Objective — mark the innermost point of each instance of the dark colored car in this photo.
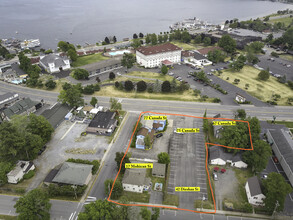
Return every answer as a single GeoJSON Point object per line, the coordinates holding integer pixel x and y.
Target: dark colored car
{"type": "Point", "coordinates": [42, 150]}
{"type": "Point", "coordinates": [159, 135]}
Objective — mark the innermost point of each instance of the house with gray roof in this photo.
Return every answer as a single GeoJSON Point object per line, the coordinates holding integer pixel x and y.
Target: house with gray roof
{"type": "Point", "coordinates": [159, 170]}
{"type": "Point", "coordinates": [8, 98]}
{"type": "Point", "coordinates": [254, 192]}
{"type": "Point", "coordinates": [21, 107]}
{"type": "Point", "coordinates": [71, 174]}
{"type": "Point", "coordinates": [103, 66]}
{"type": "Point", "coordinates": [54, 63]}
{"type": "Point", "coordinates": [103, 123]}
{"type": "Point", "coordinates": [135, 180]}
{"type": "Point", "coordinates": [218, 156]}
{"type": "Point", "coordinates": [282, 144]}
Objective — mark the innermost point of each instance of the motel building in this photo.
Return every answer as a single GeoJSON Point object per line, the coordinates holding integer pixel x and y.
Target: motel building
{"type": "Point", "coordinates": [154, 56]}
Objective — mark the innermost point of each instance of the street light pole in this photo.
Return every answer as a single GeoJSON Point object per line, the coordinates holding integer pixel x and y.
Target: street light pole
{"type": "Point", "coordinates": [277, 204]}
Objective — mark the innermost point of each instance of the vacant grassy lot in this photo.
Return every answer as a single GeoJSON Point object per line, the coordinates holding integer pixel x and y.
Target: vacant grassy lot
{"type": "Point", "coordinates": [93, 58]}
{"type": "Point", "coordinates": [189, 46]}
{"type": "Point", "coordinates": [137, 197]}
{"type": "Point", "coordinates": [151, 75]}
{"type": "Point", "coordinates": [262, 90]}
{"type": "Point", "coordinates": [111, 91]}
{"type": "Point", "coordinates": [286, 57]}
{"type": "Point", "coordinates": [287, 20]}
{"type": "Point", "coordinates": [8, 217]}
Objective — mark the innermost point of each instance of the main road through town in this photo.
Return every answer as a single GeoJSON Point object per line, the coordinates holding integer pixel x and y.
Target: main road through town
{"type": "Point", "coordinates": [70, 210]}
{"type": "Point", "coordinates": [193, 108]}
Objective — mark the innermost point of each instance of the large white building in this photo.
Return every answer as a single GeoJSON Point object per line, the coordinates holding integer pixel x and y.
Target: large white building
{"type": "Point", "coordinates": [253, 191]}
{"type": "Point", "coordinates": [53, 63]}
{"type": "Point", "coordinates": [153, 56]}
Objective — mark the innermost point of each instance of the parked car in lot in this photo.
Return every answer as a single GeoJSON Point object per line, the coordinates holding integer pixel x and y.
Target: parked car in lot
{"type": "Point", "coordinates": [275, 159]}
{"type": "Point", "coordinates": [170, 74]}
{"type": "Point", "coordinates": [288, 65]}
{"type": "Point", "coordinates": [209, 74]}
{"type": "Point", "coordinates": [118, 74]}
{"type": "Point", "coordinates": [159, 135]}
{"type": "Point", "coordinates": [215, 176]}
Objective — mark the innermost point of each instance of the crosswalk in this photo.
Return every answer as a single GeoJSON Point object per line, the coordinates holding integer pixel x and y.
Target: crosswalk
{"type": "Point", "coordinates": [90, 199]}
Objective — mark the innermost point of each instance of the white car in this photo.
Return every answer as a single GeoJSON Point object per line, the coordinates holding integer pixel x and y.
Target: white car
{"type": "Point", "coordinates": [288, 65]}
{"type": "Point", "coordinates": [118, 74]}
{"type": "Point", "coordinates": [215, 176]}
{"type": "Point", "coordinates": [212, 70]}
{"type": "Point", "coordinates": [171, 74]}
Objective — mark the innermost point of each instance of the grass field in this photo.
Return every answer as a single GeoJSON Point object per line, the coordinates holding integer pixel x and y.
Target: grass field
{"type": "Point", "coordinates": [93, 58]}
{"type": "Point", "coordinates": [111, 91]}
{"type": "Point", "coordinates": [262, 90]}
{"type": "Point", "coordinates": [288, 124]}
{"type": "Point", "coordinates": [158, 76]}
{"type": "Point", "coordinates": [185, 46]}
{"type": "Point", "coordinates": [287, 20]}
{"type": "Point", "coordinates": [8, 217]}
{"type": "Point", "coordinates": [137, 197]}
{"type": "Point", "coordinates": [286, 57]}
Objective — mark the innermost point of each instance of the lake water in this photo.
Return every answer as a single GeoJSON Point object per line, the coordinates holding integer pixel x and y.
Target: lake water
{"type": "Point", "coordinates": [90, 21]}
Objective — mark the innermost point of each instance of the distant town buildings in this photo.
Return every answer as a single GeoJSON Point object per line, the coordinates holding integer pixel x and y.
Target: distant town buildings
{"type": "Point", "coordinates": [53, 63]}
{"type": "Point", "coordinates": [27, 44]}
{"type": "Point", "coordinates": [154, 56]}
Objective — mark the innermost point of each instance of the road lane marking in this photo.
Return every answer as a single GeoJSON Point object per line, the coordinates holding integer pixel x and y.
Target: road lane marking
{"type": "Point", "coordinates": [67, 131]}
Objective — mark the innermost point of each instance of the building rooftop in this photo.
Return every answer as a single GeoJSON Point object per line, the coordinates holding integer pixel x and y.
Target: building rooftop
{"type": "Point", "coordinates": [187, 53]}
{"type": "Point", "coordinates": [218, 152]}
{"type": "Point", "coordinates": [161, 48]}
{"type": "Point", "coordinates": [73, 173]}
{"type": "Point", "coordinates": [55, 115]}
{"type": "Point", "coordinates": [19, 107]}
{"type": "Point", "coordinates": [102, 64]}
{"type": "Point", "coordinates": [103, 120]}
{"type": "Point", "coordinates": [198, 56]}
{"type": "Point", "coordinates": [135, 177]}
{"type": "Point", "coordinates": [7, 96]}
{"type": "Point", "coordinates": [53, 58]}
{"type": "Point", "coordinates": [254, 186]}
{"type": "Point", "coordinates": [159, 169]}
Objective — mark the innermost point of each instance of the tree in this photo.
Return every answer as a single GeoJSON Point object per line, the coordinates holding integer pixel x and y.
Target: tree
{"type": "Point", "coordinates": [216, 56]}
{"type": "Point", "coordinates": [72, 54]}
{"type": "Point", "coordinates": [185, 37]}
{"type": "Point", "coordinates": [227, 43]}
{"type": "Point", "coordinates": [141, 86]}
{"type": "Point", "coordinates": [89, 89]}
{"type": "Point", "coordinates": [114, 39]}
{"type": "Point", "coordinates": [164, 69]}
{"type": "Point", "coordinates": [136, 43]}
{"type": "Point", "coordinates": [207, 41]}
{"type": "Point", "coordinates": [50, 84]}
{"type": "Point", "coordinates": [239, 63]}
{"type": "Point", "coordinates": [147, 141]}
{"type": "Point", "coordinates": [145, 213]}
{"type": "Point", "coordinates": [128, 85]}
{"type": "Point", "coordinates": [117, 189]}
{"type": "Point", "coordinates": [157, 86]}
{"type": "Point", "coordinates": [98, 79]}
{"type": "Point", "coordinates": [72, 96]}
{"type": "Point", "coordinates": [80, 74]}
{"type": "Point", "coordinates": [128, 60]}
{"type": "Point", "coordinates": [154, 39]}
{"type": "Point", "coordinates": [197, 39]}
{"type": "Point", "coordinates": [156, 214]}
{"type": "Point", "coordinates": [258, 158]}
{"type": "Point", "coordinates": [24, 62]}
{"type": "Point", "coordinates": [165, 38]}
{"type": "Point", "coordinates": [94, 101]}
{"type": "Point", "coordinates": [141, 35]}
{"type": "Point", "coordinates": [173, 85]}
{"type": "Point", "coordinates": [34, 205]}
{"type": "Point", "coordinates": [251, 57]}
{"type": "Point", "coordinates": [118, 159]}
{"type": "Point", "coordinates": [115, 105]}
{"type": "Point", "coordinates": [288, 37]}
{"type": "Point", "coordinates": [135, 36]}
{"type": "Point", "coordinates": [107, 41]}
{"type": "Point", "coordinates": [264, 75]}
{"type": "Point", "coordinates": [102, 209]}
{"type": "Point", "coordinates": [275, 189]}
{"type": "Point", "coordinates": [5, 167]}
{"type": "Point", "coordinates": [241, 114]}
{"type": "Point", "coordinates": [40, 126]}
{"type": "Point", "coordinates": [256, 46]}
{"type": "Point", "coordinates": [166, 86]}
{"type": "Point", "coordinates": [148, 39]}
{"type": "Point", "coordinates": [164, 158]}
{"type": "Point", "coordinates": [269, 38]}
{"type": "Point", "coordinates": [63, 46]}
{"type": "Point", "coordinates": [112, 76]}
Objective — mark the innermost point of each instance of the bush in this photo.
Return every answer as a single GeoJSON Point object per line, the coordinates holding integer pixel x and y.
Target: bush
{"type": "Point", "coordinates": [20, 190]}
{"type": "Point", "coordinates": [128, 85]}
{"type": "Point", "coordinates": [89, 89]}
{"type": "Point", "coordinates": [117, 84]}
{"type": "Point", "coordinates": [29, 175]}
{"type": "Point", "coordinates": [97, 87]}
{"type": "Point", "coordinates": [141, 86]}
{"type": "Point", "coordinates": [274, 54]}
{"type": "Point", "coordinates": [48, 51]}
{"type": "Point", "coordinates": [80, 74]}
{"type": "Point", "coordinates": [112, 76]}
{"type": "Point", "coordinates": [216, 100]}
{"type": "Point", "coordinates": [96, 163]}
{"type": "Point", "coordinates": [50, 84]}
{"type": "Point", "coordinates": [264, 75]}
{"type": "Point", "coordinates": [290, 84]}
{"type": "Point", "coordinates": [150, 89]}
{"type": "Point", "coordinates": [65, 190]}
{"type": "Point", "coordinates": [166, 86]}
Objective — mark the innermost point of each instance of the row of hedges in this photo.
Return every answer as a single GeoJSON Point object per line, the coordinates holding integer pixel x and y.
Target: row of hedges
{"type": "Point", "coordinates": [95, 163]}
{"type": "Point", "coordinates": [65, 190]}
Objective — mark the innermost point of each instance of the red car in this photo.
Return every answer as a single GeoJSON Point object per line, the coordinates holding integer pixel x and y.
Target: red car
{"type": "Point", "coordinates": [275, 159]}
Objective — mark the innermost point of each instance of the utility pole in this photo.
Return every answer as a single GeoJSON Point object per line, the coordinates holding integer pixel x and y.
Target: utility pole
{"type": "Point", "coordinates": [277, 204]}
{"type": "Point", "coordinates": [74, 188]}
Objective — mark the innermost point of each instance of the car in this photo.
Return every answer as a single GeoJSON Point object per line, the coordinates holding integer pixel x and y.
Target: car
{"type": "Point", "coordinates": [288, 65]}
{"type": "Point", "coordinates": [275, 159]}
{"type": "Point", "coordinates": [179, 64]}
{"type": "Point", "coordinates": [284, 64]}
{"type": "Point", "coordinates": [209, 74]}
{"type": "Point", "coordinates": [206, 84]}
{"type": "Point", "coordinates": [225, 67]}
{"type": "Point", "coordinates": [42, 150]}
{"type": "Point", "coordinates": [179, 78]}
{"type": "Point", "coordinates": [264, 176]}
{"type": "Point", "coordinates": [170, 74]}
{"type": "Point", "coordinates": [159, 135]}
{"type": "Point", "coordinates": [188, 76]}
{"type": "Point", "coordinates": [118, 74]}
{"type": "Point", "coordinates": [221, 68]}
{"type": "Point", "coordinates": [215, 176]}
{"type": "Point", "coordinates": [271, 72]}
{"type": "Point", "coordinates": [212, 70]}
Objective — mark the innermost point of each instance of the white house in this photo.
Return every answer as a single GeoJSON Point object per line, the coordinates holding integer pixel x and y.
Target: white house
{"type": "Point", "coordinates": [21, 168]}
{"type": "Point", "coordinates": [154, 56]}
{"type": "Point", "coordinates": [218, 156]}
{"type": "Point", "coordinates": [194, 58]}
{"type": "Point", "coordinates": [134, 180]}
{"type": "Point", "coordinates": [253, 191]}
{"type": "Point", "coordinates": [53, 63]}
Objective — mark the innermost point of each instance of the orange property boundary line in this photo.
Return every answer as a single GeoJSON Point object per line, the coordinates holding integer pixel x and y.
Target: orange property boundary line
{"type": "Point", "coordinates": [206, 145]}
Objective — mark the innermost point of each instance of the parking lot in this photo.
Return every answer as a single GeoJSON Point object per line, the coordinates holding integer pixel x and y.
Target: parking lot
{"type": "Point", "coordinates": [67, 138]}
{"type": "Point", "coordinates": [187, 166]}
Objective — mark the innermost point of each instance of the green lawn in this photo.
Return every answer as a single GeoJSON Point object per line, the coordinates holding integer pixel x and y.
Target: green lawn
{"type": "Point", "coordinates": [288, 124]}
{"type": "Point", "coordinates": [262, 90]}
{"type": "Point", "coordinates": [151, 75]}
{"type": "Point", "coordinates": [8, 217]}
{"type": "Point", "coordinates": [93, 58]}
{"type": "Point", "coordinates": [286, 57]}
{"type": "Point", "coordinates": [185, 46]}
{"type": "Point", "coordinates": [137, 197]}
{"type": "Point", "coordinates": [287, 20]}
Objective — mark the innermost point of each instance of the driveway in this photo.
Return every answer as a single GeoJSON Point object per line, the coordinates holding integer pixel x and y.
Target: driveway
{"type": "Point", "coordinates": [65, 143]}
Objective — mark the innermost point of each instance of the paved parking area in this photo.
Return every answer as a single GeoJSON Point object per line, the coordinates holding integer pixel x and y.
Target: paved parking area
{"type": "Point", "coordinates": [65, 137]}
{"type": "Point", "coordinates": [187, 167]}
